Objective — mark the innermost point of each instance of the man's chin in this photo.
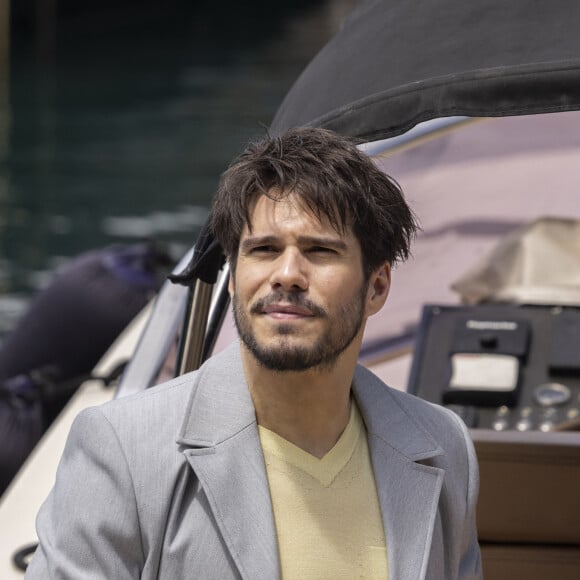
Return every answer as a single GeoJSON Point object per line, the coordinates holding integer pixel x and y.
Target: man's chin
{"type": "Point", "coordinates": [291, 357]}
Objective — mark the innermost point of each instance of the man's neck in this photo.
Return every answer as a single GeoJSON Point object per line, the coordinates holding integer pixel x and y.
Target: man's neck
{"type": "Point", "coordinates": [309, 408]}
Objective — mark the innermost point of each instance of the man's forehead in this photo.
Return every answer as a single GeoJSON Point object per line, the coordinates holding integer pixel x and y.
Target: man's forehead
{"type": "Point", "coordinates": [278, 209]}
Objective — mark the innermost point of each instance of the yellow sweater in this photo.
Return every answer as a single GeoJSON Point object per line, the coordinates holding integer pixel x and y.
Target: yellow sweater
{"type": "Point", "coordinates": [327, 513]}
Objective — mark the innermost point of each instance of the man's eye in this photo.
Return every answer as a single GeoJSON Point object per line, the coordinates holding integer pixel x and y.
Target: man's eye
{"type": "Point", "coordinates": [322, 250]}
{"type": "Point", "coordinates": [263, 250]}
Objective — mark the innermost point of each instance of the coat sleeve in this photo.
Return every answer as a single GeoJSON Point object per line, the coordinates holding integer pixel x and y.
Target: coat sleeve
{"type": "Point", "coordinates": [88, 528]}
{"type": "Point", "coordinates": [470, 559]}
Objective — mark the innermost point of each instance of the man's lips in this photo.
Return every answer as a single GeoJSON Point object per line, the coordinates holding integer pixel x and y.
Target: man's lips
{"type": "Point", "coordinates": [287, 306]}
{"type": "Point", "coordinates": [286, 311]}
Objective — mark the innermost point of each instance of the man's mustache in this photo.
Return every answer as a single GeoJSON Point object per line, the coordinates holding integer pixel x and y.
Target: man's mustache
{"type": "Point", "coordinates": [293, 298]}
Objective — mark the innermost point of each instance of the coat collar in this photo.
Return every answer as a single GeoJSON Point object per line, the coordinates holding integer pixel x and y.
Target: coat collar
{"type": "Point", "coordinates": [220, 439]}
{"type": "Point", "coordinates": [387, 418]}
{"type": "Point", "coordinates": [220, 405]}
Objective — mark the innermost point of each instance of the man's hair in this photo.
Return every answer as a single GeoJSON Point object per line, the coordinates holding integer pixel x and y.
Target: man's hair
{"type": "Point", "coordinates": [332, 178]}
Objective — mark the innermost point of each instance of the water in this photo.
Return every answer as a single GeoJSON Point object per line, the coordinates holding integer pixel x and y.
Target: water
{"type": "Point", "coordinates": [118, 118]}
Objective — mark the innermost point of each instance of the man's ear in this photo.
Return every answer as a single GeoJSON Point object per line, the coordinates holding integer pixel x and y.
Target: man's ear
{"type": "Point", "coordinates": [378, 289]}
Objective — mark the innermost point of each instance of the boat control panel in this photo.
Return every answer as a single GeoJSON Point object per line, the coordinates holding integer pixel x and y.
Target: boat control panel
{"type": "Point", "coordinates": [501, 366]}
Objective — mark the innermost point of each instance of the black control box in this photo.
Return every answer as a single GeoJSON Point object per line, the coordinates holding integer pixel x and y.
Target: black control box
{"type": "Point", "coordinates": [501, 366]}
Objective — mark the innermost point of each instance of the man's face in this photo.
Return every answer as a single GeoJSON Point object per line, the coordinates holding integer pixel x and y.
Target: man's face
{"type": "Point", "coordinates": [299, 295]}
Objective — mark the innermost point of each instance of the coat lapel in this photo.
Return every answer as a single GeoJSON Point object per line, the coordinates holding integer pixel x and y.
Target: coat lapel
{"type": "Point", "coordinates": [408, 490]}
{"type": "Point", "coordinates": [222, 445]}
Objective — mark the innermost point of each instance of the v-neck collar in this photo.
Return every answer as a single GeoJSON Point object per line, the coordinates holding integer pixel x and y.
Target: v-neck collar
{"type": "Point", "coordinates": [324, 469]}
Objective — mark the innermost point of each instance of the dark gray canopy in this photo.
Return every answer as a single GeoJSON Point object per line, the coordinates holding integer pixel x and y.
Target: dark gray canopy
{"type": "Point", "coordinates": [396, 63]}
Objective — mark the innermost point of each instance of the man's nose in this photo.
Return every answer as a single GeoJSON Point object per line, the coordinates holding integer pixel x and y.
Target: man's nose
{"type": "Point", "coordinates": [290, 271]}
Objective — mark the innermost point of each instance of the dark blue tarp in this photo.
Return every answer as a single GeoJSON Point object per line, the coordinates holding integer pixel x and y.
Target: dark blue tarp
{"type": "Point", "coordinates": [62, 336]}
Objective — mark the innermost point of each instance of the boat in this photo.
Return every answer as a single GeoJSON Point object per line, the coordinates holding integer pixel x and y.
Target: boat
{"type": "Point", "coordinates": [475, 109]}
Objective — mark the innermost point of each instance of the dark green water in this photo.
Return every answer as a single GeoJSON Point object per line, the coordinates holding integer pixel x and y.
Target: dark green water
{"type": "Point", "coordinates": [121, 116]}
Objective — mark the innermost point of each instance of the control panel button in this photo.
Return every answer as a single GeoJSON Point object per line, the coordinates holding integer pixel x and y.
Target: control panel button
{"type": "Point", "coordinates": [524, 425]}
{"type": "Point", "coordinates": [550, 394]}
{"type": "Point", "coordinates": [499, 425]}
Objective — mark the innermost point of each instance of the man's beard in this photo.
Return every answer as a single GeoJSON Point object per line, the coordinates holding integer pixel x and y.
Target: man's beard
{"type": "Point", "coordinates": [280, 355]}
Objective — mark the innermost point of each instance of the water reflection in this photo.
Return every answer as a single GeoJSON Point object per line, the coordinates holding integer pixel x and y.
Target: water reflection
{"type": "Point", "coordinates": [118, 118]}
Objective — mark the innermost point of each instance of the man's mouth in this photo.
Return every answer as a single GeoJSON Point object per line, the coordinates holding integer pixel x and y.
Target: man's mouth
{"type": "Point", "coordinates": [287, 307]}
{"type": "Point", "coordinates": [286, 311]}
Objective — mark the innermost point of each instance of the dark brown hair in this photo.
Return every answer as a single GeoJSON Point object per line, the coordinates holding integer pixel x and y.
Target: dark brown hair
{"type": "Point", "coordinates": [332, 178]}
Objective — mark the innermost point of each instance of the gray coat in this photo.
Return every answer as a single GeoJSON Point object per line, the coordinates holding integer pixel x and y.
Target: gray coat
{"type": "Point", "coordinates": [138, 497]}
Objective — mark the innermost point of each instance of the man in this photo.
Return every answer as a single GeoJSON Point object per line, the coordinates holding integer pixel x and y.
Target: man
{"type": "Point", "coordinates": [280, 457]}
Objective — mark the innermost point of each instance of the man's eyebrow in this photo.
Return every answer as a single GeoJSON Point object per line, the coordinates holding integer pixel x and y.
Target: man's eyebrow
{"type": "Point", "coordinates": [253, 241]}
{"type": "Point", "coordinates": [329, 242]}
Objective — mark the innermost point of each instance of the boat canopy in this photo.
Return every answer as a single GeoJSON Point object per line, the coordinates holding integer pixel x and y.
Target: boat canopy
{"type": "Point", "coordinates": [397, 63]}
